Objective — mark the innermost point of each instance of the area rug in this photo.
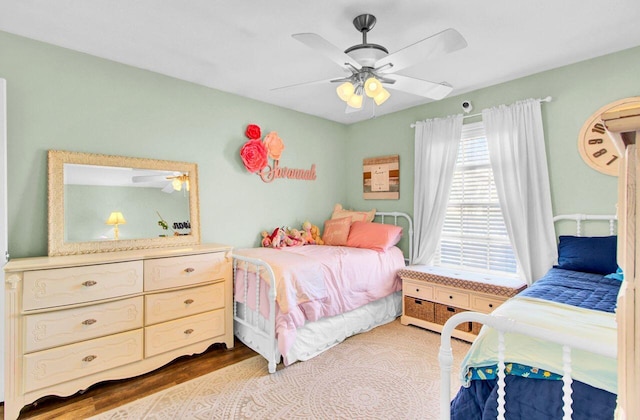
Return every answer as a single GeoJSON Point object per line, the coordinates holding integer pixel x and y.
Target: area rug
{"type": "Point", "coordinates": [389, 372]}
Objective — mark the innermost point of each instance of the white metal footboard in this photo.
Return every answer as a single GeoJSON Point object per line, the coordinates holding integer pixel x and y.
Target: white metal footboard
{"type": "Point", "coordinates": [250, 326]}
{"type": "Point", "coordinates": [507, 325]}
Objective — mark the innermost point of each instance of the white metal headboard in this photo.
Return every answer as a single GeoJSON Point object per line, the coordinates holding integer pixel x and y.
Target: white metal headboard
{"type": "Point", "coordinates": [395, 215]}
{"type": "Point", "coordinates": [579, 218]}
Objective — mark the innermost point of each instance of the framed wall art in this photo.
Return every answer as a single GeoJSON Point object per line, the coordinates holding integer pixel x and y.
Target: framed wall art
{"type": "Point", "coordinates": [381, 178]}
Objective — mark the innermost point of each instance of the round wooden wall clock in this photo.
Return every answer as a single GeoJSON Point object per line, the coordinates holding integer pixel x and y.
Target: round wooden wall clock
{"type": "Point", "coordinates": [595, 145]}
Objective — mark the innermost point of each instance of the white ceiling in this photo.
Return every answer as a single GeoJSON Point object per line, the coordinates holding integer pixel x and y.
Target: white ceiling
{"type": "Point", "coordinates": [245, 47]}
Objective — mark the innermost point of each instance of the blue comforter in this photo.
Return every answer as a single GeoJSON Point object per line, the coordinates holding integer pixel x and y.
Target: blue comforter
{"type": "Point", "coordinates": [528, 398]}
{"type": "Point", "coordinates": [584, 290]}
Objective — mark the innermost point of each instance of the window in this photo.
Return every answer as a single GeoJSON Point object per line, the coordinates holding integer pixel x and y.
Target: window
{"type": "Point", "coordinates": [474, 235]}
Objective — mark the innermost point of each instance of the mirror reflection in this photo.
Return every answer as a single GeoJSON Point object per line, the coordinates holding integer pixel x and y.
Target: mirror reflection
{"type": "Point", "coordinates": [102, 203]}
{"type": "Point", "coordinates": [114, 203]}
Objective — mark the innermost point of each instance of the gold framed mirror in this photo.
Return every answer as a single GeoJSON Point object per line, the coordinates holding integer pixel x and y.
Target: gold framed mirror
{"type": "Point", "coordinates": [105, 203]}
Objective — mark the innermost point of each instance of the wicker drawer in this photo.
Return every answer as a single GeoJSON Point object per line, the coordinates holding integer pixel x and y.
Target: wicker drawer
{"type": "Point", "coordinates": [417, 289]}
{"type": "Point", "coordinates": [475, 328]}
{"type": "Point", "coordinates": [418, 308]}
{"type": "Point", "coordinates": [67, 286]}
{"type": "Point", "coordinates": [56, 328]}
{"type": "Point", "coordinates": [171, 335]}
{"type": "Point", "coordinates": [444, 312]}
{"type": "Point", "coordinates": [61, 364]}
{"type": "Point", "coordinates": [452, 297]}
{"type": "Point", "coordinates": [166, 273]}
{"type": "Point", "coordinates": [160, 307]}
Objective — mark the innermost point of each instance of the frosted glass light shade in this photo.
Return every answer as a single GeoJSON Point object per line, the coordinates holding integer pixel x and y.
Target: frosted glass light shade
{"type": "Point", "coordinates": [372, 87]}
{"type": "Point", "coordinates": [345, 91]}
{"type": "Point", "coordinates": [177, 184]}
{"type": "Point", "coordinates": [355, 101]}
{"type": "Point", "coordinates": [382, 96]}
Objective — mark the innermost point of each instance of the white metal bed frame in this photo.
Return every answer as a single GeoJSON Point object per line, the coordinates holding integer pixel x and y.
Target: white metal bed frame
{"type": "Point", "coordinates": [259, 333]}
{"type": "Point", "coordinates": [506, 325]}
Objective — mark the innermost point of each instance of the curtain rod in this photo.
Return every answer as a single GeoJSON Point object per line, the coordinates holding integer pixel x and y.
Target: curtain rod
{"type": "Point", "coordinates": [547, 99]}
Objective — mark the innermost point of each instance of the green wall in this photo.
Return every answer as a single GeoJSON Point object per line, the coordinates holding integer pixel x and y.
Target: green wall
{"type": "Point", "coordinates": [65, 100]}
{"type": "Point", "coordinates": [578, 91]}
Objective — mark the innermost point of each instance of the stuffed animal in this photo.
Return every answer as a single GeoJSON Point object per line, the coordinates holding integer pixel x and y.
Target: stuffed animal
{"type": "Point", "coordinates": [266, 239]}
{"type": "Point", "coordinates": [277, 238]}
{"type": "Point", "coordinates": [294, 238]}
{"type": "Point", "coordinates": [306, 234]}
{"type": "Point", "coordinates": [315, 235]}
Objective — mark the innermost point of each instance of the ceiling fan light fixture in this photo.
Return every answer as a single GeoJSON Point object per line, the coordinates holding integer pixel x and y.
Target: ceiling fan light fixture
{"type": "Point", "coordinates": [177, 184]}
{"type": "Point", "coordinates": [345, 91]}
{"type": "Point", "coordinates": [373, 87]}
{"type": "Point", "coordinates": [355, 101]}
{"type": "Point", "coordinates": [382, 96]}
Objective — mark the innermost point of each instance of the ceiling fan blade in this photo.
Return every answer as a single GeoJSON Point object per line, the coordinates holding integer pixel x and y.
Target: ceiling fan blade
{"type": "Point", "coordinates": [323, 46]}
{"type": "Point", "coordinates": [420, 87]}
{"type": "Point", "coordinates": [315, 82]}
{"type": "Point", "coordinates": [148, 178]}
{"type": "Point", "coordinates": [441, 43]}
{"type": "Point", "coordinates": [168, 188]}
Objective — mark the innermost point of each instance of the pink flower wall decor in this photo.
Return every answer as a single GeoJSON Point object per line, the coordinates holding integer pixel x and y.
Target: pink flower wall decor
{"type": "Point", "coordinates": [254, 155]}
{"type": "Point", "coordinates": [274, 145]}
{"type": "Point", "coordinates": [253, 132]}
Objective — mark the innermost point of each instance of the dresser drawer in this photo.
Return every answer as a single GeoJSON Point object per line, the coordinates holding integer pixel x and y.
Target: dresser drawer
{"type": "Point", "coordinates": [417, 289]}
{"type": "Point", "coordinates": [171, 335]}
{"type": "Point", "coordinates": [160, 307]}
{"type": "Point", "coordinates": [164, 273]}
{"type": "Point", "coordinates": [485, 304]}
{"type": "Point", "coordinates": [452, 297]}
{"type": "Point", "coordinates": [49, 367]}
{"type": "Point", "coordinates": [67, 286]}
{"type": "Point", "coordinates": [58, 328]}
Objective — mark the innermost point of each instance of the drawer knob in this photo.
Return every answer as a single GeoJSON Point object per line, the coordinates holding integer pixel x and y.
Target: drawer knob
{"type": "Point", "coordinates": [450, 297]}
{"type": "Point", "coordinates": [89, 283]}
{"type": "Point", "coordinates": [189, 270]}
{"type": "Point", "coordinates": [189, 331]}
{"type": "Point", "coordinates": [90, 358]}
{"type": "Point", "coordinates": [491, 305]}
{"type": "Point", "coordinates": [188, 301]}
{"type": "Point", "coordinates": [89, 321]}
{"type": "Point", "coordinates": [417, 290]}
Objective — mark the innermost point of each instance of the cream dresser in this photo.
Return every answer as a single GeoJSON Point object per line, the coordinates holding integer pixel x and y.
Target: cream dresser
{"type": "Point", "coordinates": [73, 321]}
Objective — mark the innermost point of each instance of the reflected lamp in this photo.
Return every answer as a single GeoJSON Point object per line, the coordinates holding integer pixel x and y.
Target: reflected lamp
{"type": "Point", "coordinates": [116, 218]}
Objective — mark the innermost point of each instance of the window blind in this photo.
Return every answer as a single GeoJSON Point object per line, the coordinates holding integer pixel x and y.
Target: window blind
{"type": "Point", "coordinates": [474, 234]}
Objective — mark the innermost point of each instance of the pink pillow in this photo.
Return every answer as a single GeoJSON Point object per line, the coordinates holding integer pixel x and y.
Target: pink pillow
{"type": "Point", "coordinates": [376, 236]}
{"type": "Point", "coordinates": [336, 231]}
{"type": "Point", "coordinates": [362, 216]}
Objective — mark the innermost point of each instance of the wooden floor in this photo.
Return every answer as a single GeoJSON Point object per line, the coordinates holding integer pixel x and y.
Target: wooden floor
{"type": "Point", "coordinates": [107, 395]}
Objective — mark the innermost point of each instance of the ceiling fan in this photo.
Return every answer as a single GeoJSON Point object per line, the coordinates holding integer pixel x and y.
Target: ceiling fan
{"type": "Point", "coordinates": [174, 182]}
{"type": "Point", "coordinates": [371, 66]}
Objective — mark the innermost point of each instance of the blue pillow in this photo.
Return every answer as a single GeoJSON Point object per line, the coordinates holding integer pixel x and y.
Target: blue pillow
{"type": "Point", "coordinates": [589, 254]}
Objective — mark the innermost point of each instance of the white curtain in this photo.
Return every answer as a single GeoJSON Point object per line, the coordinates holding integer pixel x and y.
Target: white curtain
{"type": "Point", "coordinates": [436, 151]}
{"type": "Point", "coordinates": [517, 152]}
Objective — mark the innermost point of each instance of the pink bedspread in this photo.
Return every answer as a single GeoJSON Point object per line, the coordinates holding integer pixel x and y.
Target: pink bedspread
{"type": "Point", "coordinates": [313, 282]}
